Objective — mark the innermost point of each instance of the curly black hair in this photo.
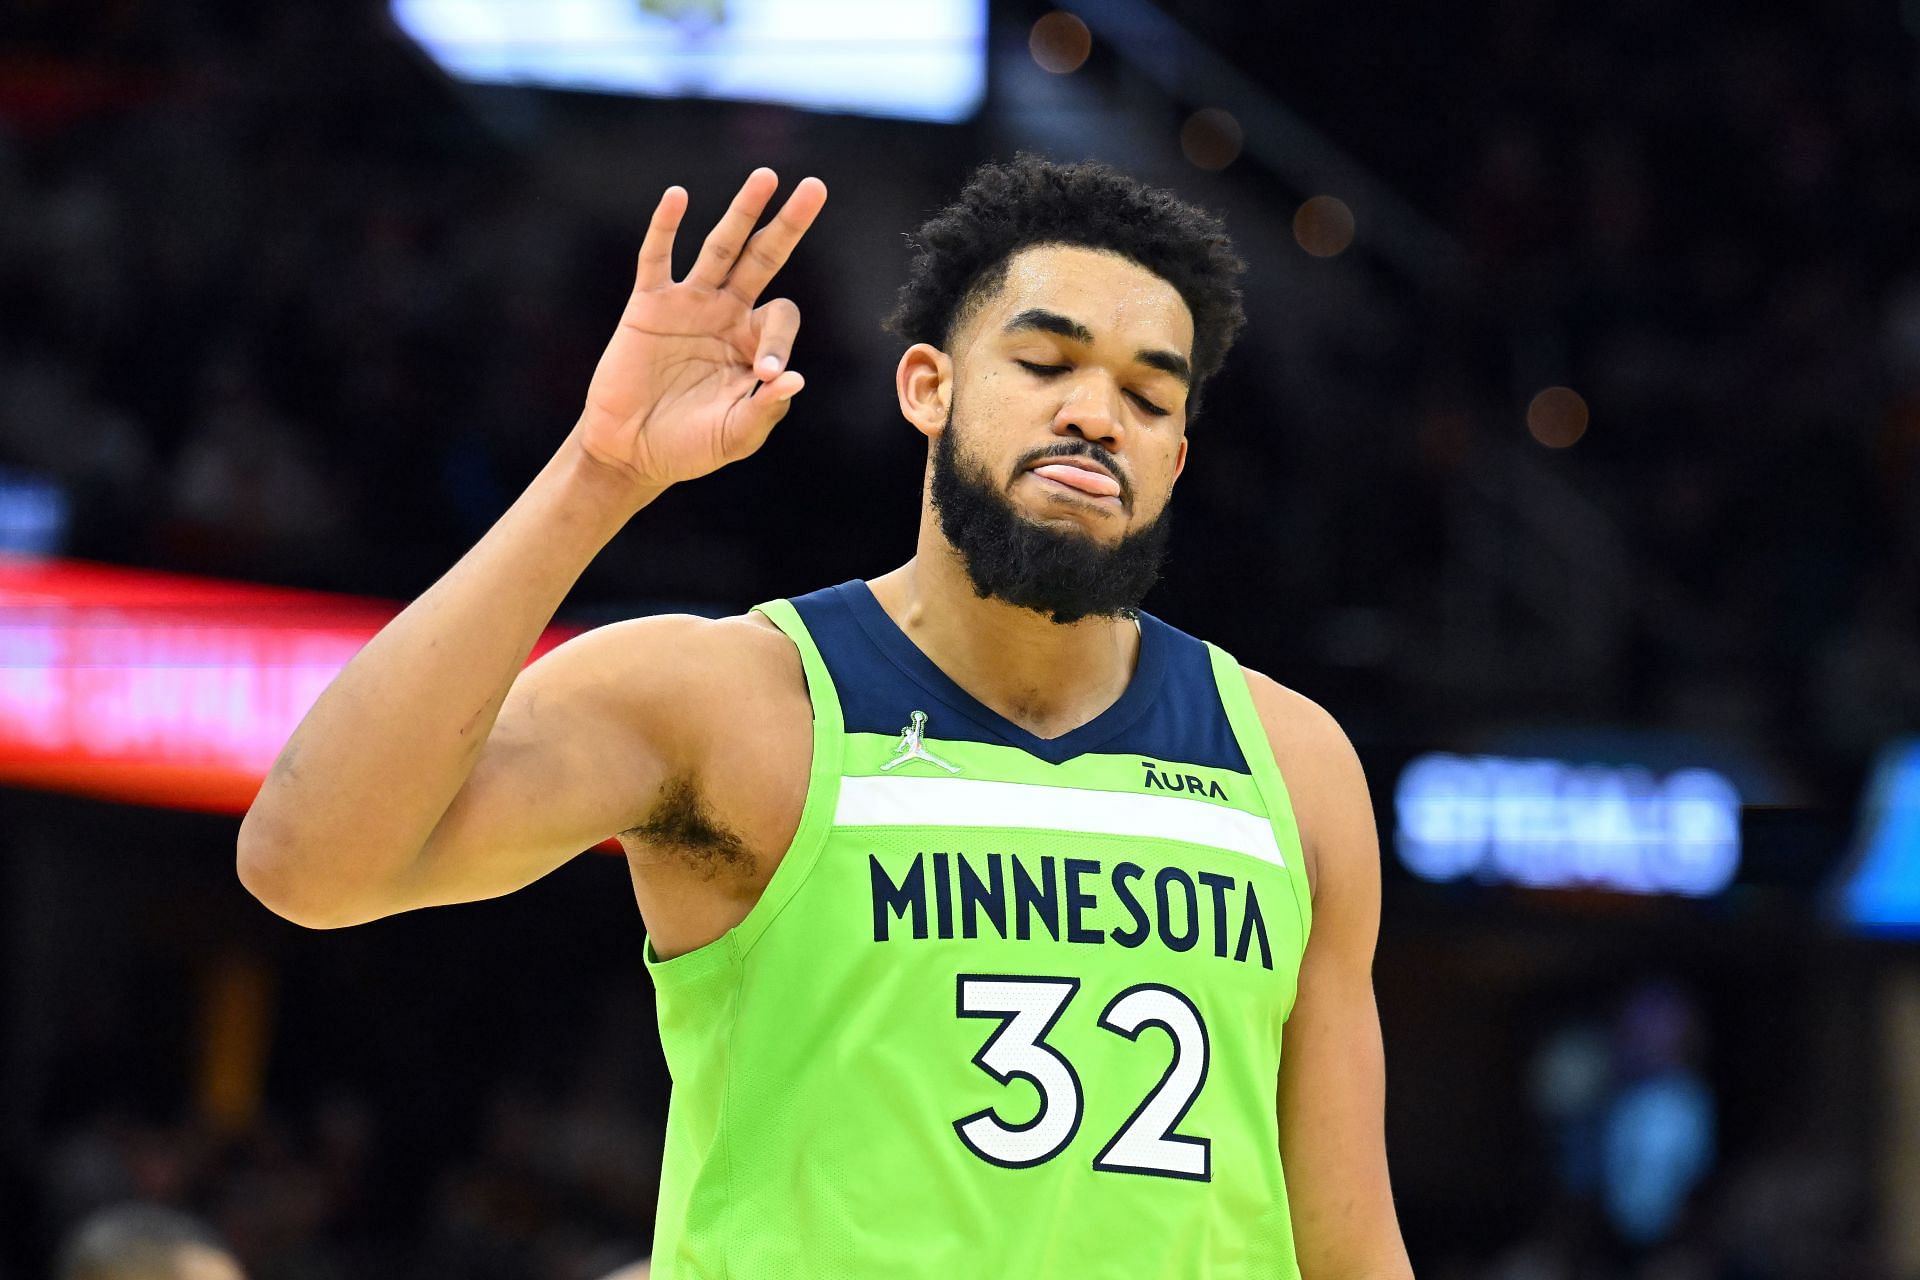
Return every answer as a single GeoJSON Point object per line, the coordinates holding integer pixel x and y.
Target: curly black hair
{"type": "Point", "coordinates": [961, 254]}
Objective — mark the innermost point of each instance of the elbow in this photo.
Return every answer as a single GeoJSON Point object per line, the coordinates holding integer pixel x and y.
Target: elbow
{"type": "Point", "coordinates": [272, 873]}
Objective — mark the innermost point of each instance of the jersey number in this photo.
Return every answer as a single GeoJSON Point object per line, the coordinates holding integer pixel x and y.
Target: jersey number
{"type": "Point", "coordinates": [1027, 1009]}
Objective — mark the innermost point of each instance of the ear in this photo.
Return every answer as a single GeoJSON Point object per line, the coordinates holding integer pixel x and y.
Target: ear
{"type": "Point", "coordinates": [924, 384]}
{"type": "Point", "coordinates": [1180, 462]}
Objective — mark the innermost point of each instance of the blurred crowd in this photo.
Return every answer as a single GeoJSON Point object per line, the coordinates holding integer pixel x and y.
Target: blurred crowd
{"type": "Point", "coordinates": [1701, 219]}
{"type": "Point", "coordinates": [1643, 1186]}
{"type": "Point", "coordinates": [1709, 211]}
{"type": "Point", "coordinates": [556, 1189]}
{"type": "Point", "coordinates": [538, 1166]}
{"type": "Point", "coordinates": [255, 331]}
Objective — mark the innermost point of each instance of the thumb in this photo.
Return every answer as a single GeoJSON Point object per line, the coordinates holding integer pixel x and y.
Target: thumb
{"type": "Point", "coordinates": [754, 418]}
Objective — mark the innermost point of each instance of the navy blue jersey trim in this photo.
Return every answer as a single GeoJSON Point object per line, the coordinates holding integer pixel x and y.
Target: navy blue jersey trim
{"type": "Point", "coordinates": [1170, 710]}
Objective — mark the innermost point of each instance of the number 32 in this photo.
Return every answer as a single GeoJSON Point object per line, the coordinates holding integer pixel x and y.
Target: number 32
{"type": "Point", "coordinates": [1027, 1009]}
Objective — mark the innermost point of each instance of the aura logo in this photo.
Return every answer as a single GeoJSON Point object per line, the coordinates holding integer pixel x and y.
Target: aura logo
{"type": "Point", "coordinates": [1159, 779]}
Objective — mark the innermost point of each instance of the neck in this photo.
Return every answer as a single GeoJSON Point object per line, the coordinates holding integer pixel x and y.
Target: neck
{"type": "Point", "coordinates": [1046, 677]}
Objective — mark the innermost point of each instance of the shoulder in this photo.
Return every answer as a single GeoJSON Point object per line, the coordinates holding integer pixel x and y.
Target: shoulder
{"type": "Point", "coordinates": [690, 686]}
{"type": "Point", "coordinates": [678, 656]}
{"type": "Point", "coordinates": [723, 708]}
{"type": "Point", "coordinates": [1325, 782]}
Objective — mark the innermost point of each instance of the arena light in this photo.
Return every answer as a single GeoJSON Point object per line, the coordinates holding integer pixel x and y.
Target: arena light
{"type": "Point", "coordinates": [1557, 417]}
{"type": "Point", "coordinates": [34, 513]}
{"type": "Point", "coordinates": [163, 689]}
{"type": "Point", "coordinates": [1323, 226]}
{"type": "Point", "coordinates": [1880, 890]}
{"type": "Point", "coordinates": [1060, 42]}
{"type": "Point", "coordinates": [1552, 824]}
{"type": "Point", "coordinates": [924, 61]}
{"type": "Point", "coordinates": [1211, 139]}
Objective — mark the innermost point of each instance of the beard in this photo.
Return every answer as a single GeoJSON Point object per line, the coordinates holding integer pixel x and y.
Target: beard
{"type": "Point", "coordinates": [1063, 574]}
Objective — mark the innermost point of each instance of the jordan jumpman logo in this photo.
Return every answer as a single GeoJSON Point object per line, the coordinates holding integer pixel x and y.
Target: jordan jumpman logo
{"type": "Point", "coordinates": [913, 747]}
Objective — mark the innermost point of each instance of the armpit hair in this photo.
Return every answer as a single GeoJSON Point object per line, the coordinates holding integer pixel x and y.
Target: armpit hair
{"type": "Point", "coordinates": [682, 826]}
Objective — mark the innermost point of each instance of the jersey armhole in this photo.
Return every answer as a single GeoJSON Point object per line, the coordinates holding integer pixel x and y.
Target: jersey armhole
{"type": "Point", "coordinates": [725, 953]}
{"type": "Point", "coordinates": [823, 780]}
{"type": "Point", "coordinates": [1244, 718]}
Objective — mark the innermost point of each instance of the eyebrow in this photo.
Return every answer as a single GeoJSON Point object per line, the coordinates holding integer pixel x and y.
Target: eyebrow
{"type": "Point", "coordinates": [1169, 362]}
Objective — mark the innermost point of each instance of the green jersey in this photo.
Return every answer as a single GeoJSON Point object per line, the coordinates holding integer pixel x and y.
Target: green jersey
{"type": "Point", "coordinates": [1009, 1006]}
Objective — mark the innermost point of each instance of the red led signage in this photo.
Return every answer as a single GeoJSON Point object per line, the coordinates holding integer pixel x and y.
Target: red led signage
{"type": "Point", "coordinates": [163, 689]}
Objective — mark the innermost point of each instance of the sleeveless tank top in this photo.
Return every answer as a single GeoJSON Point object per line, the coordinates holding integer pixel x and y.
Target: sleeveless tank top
{"type": "Point", "coordinates": [1009, 1006]}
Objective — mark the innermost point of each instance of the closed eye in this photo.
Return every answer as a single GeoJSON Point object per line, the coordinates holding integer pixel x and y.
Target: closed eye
{"type": "Point", "coordinates": [1054, 370]}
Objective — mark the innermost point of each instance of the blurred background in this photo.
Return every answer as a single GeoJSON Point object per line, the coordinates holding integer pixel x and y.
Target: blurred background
{"type": "Point", "coordinates": [1571, 458]}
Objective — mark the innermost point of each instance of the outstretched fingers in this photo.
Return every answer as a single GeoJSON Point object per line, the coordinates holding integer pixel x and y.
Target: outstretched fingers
{"type": "Point", "coordinates": [655, 270]}
{"type": "Point", "coordinates": [729, 235]}
{"type": "Point", "coordinates": [767, 251]}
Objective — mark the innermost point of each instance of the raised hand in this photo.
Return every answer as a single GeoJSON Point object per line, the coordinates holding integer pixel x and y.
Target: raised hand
{"type": "Point", "coordinates": [696, 374]}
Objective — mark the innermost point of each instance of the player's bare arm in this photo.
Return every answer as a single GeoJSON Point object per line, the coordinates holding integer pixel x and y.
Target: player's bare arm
{"type": "Point", "coordinates": [1332, 1090]}
{"type": "Point", "coordinates": [431, 770]}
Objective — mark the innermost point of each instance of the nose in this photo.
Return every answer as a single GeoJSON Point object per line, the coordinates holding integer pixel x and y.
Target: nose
{"type": "Point", "coordinates": [1091, 411]}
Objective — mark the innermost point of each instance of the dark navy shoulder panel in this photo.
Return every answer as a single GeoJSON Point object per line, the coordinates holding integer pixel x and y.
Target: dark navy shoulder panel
{"type": "Point", "coordinates": [1187, 722]}
{"type": "Point", "coordinates": [1170, 711]}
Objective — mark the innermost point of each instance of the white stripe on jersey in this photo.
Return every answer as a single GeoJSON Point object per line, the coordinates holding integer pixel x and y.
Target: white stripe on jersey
{"type": "Point", "coordinates": [893, 801]}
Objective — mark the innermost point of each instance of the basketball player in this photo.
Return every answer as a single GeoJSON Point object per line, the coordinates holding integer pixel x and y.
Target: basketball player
{"type": "Point", "coordinates": [998, 928]}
